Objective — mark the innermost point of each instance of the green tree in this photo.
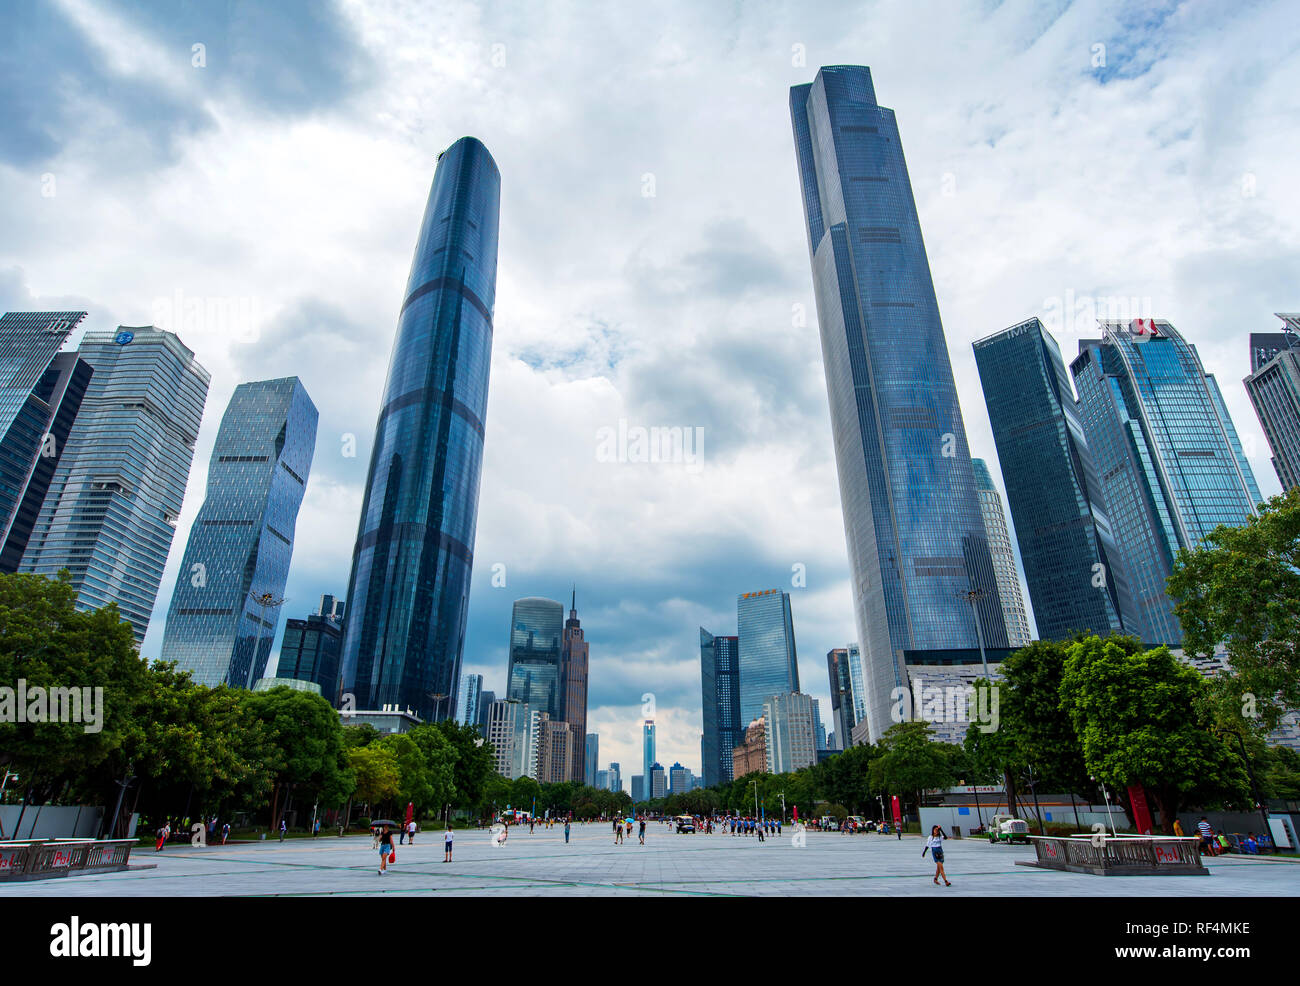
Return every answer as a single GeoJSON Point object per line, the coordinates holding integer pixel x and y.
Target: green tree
{"type": "Point", "coordinates": [911, 762]}
{"type": "Point", "coordinates": [1241, 588]}
{"type": "Point", "coordinates": [304, 742]}
{"type": "Point", "coordinates": [1140, 719]}
{"type": "Point", "coordinates": [377, 776]}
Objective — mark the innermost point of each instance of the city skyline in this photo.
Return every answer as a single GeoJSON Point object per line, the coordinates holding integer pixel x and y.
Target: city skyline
{"type": "Point", "coordinates": [594, 342]}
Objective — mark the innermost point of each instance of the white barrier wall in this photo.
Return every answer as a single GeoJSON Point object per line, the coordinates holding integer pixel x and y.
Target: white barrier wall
{"type": "Point", "coordinates": [54, 821]}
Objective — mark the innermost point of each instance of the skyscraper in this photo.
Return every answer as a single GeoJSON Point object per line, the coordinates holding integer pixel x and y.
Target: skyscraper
{"type": "Point", "coordinates": [593, 758]}
{"type": "Point", "coordinates": [615, 777]}
{"type": "Point", "coordinates": [769, 664]}
{"type": "Point", "coordinates": [310, 648]}
{"type": "Point", "coordinates": [1274, 389]}
{"type": "Point", "coordinates": [509, 728]}
{"type": "Point", "coordinates": [409, 591]}
{"type": "Point", "coordinates": [647, 749]}
{"type": "Point", "coordinates": [1172, 466]}
{"type": "Point", "coordinates": [40, 393]}
{"type": "Point", "coordinates": [1074, 569]}
{"type": "Point", "coordinates": [843, 715]}
{"type": "Point", "coordinates": [226, 604]}
{"type": "Point", "coordinates": [911, 513]}
{"type": "Point", "coordinates": [110, 512]}
{"type": "Point", "coordinates": [791, 732]}
{"type": "Point", "coordinates": [657, 785]}
{"type": "Point", "coordinates": [720, 699]}
{"type": "Point", "coordinates": [467, 705]}
{"type": "Point", "coordinates": [1004, 558]}
{"type": "Point", "coordinates": [533, 676]}
{"type": "Point", "coordinates": [573, 685]}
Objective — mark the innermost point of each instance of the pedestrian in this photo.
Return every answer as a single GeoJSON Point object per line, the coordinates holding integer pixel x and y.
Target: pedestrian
{"type": "Point", "coordinates": [386, 852]}
{"type": "Point", "coordinates": [1207, 835]}
{"type": "Point", "coordinates": [448, 838]}
{"type": "Point", "coordinates": [225, 833]}
{"type": "Point", "coordinates": [566, 831]}
{"type": "Point", "coordinates": [315, 828]}
{"type": "Point", "coordinates": [283, 828]}
{"type": "Point", "coordinates": [1178, 828]}
{"type": "Point", "coordinates": [531, 822]}
{"type": "Point", "coordinates": [618, 832]}
{"type": "Point", "coordinates": [410, 831]}
{"type": "Point", "coordinates": [934, 845]}
{"type": "Point", "coordinates": [642, 832]}
{"type": "Point", "coordinates": [162, 838]}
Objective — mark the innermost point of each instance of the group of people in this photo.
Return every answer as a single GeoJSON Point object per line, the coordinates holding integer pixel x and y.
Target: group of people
{"type": "Point", "coordinates": [1216, 843]}
{"type": "Point", "coordinates": [745, 825]}
{"type": "Point", "coordinates": [383, 841]}
{"type": "Point", "coordinates": [620, 826]}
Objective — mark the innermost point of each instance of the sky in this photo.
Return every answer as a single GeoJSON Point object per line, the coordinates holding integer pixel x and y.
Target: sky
{"type": "Point", "coordinates": [252, 177]}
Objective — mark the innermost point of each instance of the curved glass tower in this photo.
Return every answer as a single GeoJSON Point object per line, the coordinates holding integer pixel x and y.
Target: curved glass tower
{"type": "Point", "coordinates": [536, 646]}
{"type": "Point", "coordinates": [409, 590]}
{"type": "Point", "coordinates": [912, 518]}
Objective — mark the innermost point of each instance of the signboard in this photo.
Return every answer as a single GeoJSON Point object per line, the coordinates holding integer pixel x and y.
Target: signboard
{"type": "Point", "coordinates": [898, 809]}
{"type": "Point", "coordinates": [1141, 813]}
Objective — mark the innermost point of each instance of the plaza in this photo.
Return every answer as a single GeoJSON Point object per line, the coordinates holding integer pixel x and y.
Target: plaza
{"type": "Point", "coordinates": [541, 864]}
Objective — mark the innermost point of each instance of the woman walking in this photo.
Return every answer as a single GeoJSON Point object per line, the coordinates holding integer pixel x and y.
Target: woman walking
{"type": "Point", "coordinates": [385, 848]}
{"type": "Point", "coordinates": [934, 845]}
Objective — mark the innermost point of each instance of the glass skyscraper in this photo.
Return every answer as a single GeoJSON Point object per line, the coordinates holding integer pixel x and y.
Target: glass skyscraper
{"type": "Point", "coordinates": [533, 676]}
{"type": "Point", "coordinates": [1274, 389]}
{"type": "Point", "coordinates": [40, 393]}
{"type": "Point", "coordinates": [769, 664]}
{"type": "Point", "coordinates": [911, 513]}
{"type": "Point", "coordinates": [843, 716]}
{"type": "Point", "coordinates": [226, 604]}
{"type": "Point", "coordinates": [110, 513]}
{"type": "Point", "coordinates": [1172, 467]}
{"type": "Point", "coordinates": [720, 700]}
{"type": "Point", "coordinates": [467, 706]}
{"type": "Point", "coordinates": [1004, 558]}
{"type": "Point", "coordinates": [310, 648]}
{"type": "Point", "coordinates": [408, 595]}
{"type": "Point", "coordinates": [647, 752]}
{"type": "Point", "coordinates": [1074, 569]}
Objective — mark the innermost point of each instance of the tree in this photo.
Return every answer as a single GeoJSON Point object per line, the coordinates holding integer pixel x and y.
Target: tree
{"type": "Point", "coordinates": [911, 762]}
{"type": "Point", "coordinates": [473, 762]}
{"type": "Point", "coordinates": [1140, 720]}
{"type": "Point", "coordinates": [377, 776]}
{"type": "Point", "coordinates": [1241, 588]}
{"type": "Point", "coordinates": [305, 747]}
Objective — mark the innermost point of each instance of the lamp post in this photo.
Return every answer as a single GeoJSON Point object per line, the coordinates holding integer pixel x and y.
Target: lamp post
{"type": "Point", "coordinates": [973, 596]}
{"type": "Point", "coordinates": [1109, 817]}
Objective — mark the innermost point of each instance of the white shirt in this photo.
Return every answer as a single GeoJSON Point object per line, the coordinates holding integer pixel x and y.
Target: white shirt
{"type": "Point", "coordinates": [935, 841]}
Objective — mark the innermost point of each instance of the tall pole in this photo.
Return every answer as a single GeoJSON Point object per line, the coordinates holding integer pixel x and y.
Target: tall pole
{"type": "Point", "coordinates": [972, 596]}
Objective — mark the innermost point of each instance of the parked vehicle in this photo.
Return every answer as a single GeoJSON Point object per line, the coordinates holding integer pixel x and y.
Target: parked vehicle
{"type": "Point", "coordinates": [1008, 829]}
{"type": "Point", "coordinates": [685, 823]}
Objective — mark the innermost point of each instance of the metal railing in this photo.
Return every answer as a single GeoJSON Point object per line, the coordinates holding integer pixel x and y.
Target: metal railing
{"type": "Point", "coordinates": [39, 859]}
{"type": "Point", "coordinates": [1127, 852]}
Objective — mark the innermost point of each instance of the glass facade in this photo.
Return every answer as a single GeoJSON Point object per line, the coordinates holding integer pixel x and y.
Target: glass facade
{"type": "Point", "coordinates": [769, 664]}
{"type": "Point", "coordinates": [1172, 467]}
{"type": "Point", "coordinates": [110, 513]}
{"type": "Point", "coordinates": [310, 652]}
{"type": "Point", "coordinates": [467, 706]}
{"type": "Point", "coordinates": [720, 699]}
{"type": "Point", "coordinates": [1004, 558]}
{"type": "Point", "coordinates": [536, 628]}
{"type": "Point", "coordinates": [843, 717]}
{"type": "Point", "coordinates": [911, 514]}
{"type": "Point", "coordinates": [791, 732]}
{"type": "Point", "coordinates": [408, 596]}
{"type": "Point", "coordinates": [1074, 569]}
{"type": "Point", "coordinates": [1274, 389]}
{"type": "Point", "coordinates": [647, 748]}
{"type": "Point", "coordinates": [226, 604]}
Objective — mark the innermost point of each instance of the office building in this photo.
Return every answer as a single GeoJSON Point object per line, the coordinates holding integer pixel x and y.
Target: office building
{"type": "Point", "coordinates": [843, 714]}
{"type": "Point", "coordinates": [1004, 557]}
{"type": "Point", "coordinates": [638, 788]}
{"type": "Point", "coordinates": [750, 757]}
{"type": "Point", "coordinates": [615, 777]}
{"type": "Point", "coordinates": [533, 676]}
{"type": "Point", "coordinates": [647, 748]}
{"type": "Point", "coordinates": [408, 595]}
{"type": "Point", "coordinates": [554, 750]}
{"type": "Point", "coordinates": [1171, 464]}
{"type": "Point", "coordinates": [720, 699]}
{"type": "Point", "coordinates": [509, 730]}
{"type": "Point", "coordinates": [40, 394]}
{"type": "Point", "coordinates": [573, 687]}
{"type": "Point", "coordinates": [311, 648]}
{"type": "Point", "coordinates": [916, 540]}
{"type": "Point", "coordinates": [658, 781]}
{"type": "Point", "coordinates": [1074, 569]}
{"type": "Point", "coordinates": [467, 706]}
{"type": "Point", "coordinates": [768, 660]}
{"type": "Point", "coordinates": [110, 512]}
{"type": "Point", "coordinates": [592, 751]}
{"type": "Point", "coordinates": [226, 604]}
{"type": "Point", "coordinates": [1274, 389]}
{"type": "Point", "coordinates": [790, 732]}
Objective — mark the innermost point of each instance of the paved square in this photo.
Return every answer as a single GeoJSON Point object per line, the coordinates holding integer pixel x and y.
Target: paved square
{"type": "Point", "coordinates": [676, 865]}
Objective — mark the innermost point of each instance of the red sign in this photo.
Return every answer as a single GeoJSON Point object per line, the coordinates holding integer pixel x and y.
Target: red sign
{"type": "Point", "coordinates": [1141, 813]}
{"type": "Point", "coordinates": [898, 809]}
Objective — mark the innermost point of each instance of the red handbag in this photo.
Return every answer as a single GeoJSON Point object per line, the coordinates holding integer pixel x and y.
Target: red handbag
{"type": "Point", "coordinates": [392, 856]}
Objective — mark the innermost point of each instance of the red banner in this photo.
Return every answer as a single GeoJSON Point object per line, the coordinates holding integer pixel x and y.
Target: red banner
{"type": "Point", "coordinates": [898, 809]}
{"type": "Point", "coordinates": [1141, 813]}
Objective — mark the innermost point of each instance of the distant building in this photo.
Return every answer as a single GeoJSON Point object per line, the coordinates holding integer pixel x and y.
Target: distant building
{"type": "Point", "coordinates": [311, 648]}
{"type": "Point", "coordinates": [554, 748]}
{"type": "Point", "coordinates": [467, 705]}
{"type": "Point", "coordinates": [843, 708]}
{"type": "Point", "coordinates": [615, 777]}
{"type": "Point", "coordinates": [751, 756]}
{"type": "Point", "coordinates": [386, 720]}
{"type": "Point", "coordinates": [791, 732]}
{"type": "Point", "coordinates": [509, 730]}
{"type": "Point", "coordinates": [647, 750]}
{"type": "Point", "coordinates": [658, 781]}
{"type": "Point", "coordinates": [593, 757]}
{"type": "Point", "coordinates": [536, 631]}
{"type": "Point", "coordinates": [680, 779]}
{"type": "Point", "coordinates": [1004, 557]}
{"type": "Point", "coordinates": [296, 684]}
{"type": "Point", "coordinates": [574, 660]}
{"type": "Point", "coordinates": [769, 663]}
{"type": "Point", "coordinates": [1274, 389]}
{"type": "Point", "coordinates": [638, 789]}
{"type": "Point", "coordinates": [720, 697]}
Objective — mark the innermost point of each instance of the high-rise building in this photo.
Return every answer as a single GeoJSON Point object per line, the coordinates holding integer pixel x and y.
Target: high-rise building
{"type": "Point", "coordinates": [790, 732]}
{"type": "Point", "coordinates": [843, 714]}
{"type": "Point", "coordinates": [680, 779]}
{"type": "Point", "coordinates": [750, 756]}
{"type": "Point", "coordinates": [859, 689]}
{"type": "Point", "coordinates": [1074, 569]}
{"type": "Point", "coordinates": [638, 788]}
{"type": "Point", "coordinates": [226, 603]}
{"type": "Point", "coordinates": [485, 700]}
{"type": "Point", "coordinates": [467, 706]}
{"type": "Point", "coordinates": [533, 676]}
{"type": "Point", "coordinates": [1004, 557]}
{"type": "Point", "coordinates": [554, 750]}
{"type": "Point", "coordinates": [615, 777]}
{"type": "Point", "coordinates": [601, 781]}
{"type": "Point", "coordinates": [647, 748]}
{"type": "Point", "coordinates": [573, 688]}
{"type": "Point", "coordinates": [769, 663]}
{"type": "Point", "coordinates": [916, 540]}
{"type": "Point", "coordinates": [110, 512]}
{"type": "Point", "coordinates": [1171, 464]}
{"type": "Point", "coordinates": [310, 648]}
{"type": "Point", "coordinates": [509, 730]}
{"type": "Point", "coordinates": [409, 591]}
{"type": "Point", "coordinates": [1274, 389]}
{"type": "Point", "coordinates": [819, 730]}
{"type": "Point", "coordinates": [658, 781]}
{"type": "Point", "coordinates": [592, 750]}
{"type": "Point", "coordinates": [720, 698]}
{"type": "Point", "coordinates": [40, 393]}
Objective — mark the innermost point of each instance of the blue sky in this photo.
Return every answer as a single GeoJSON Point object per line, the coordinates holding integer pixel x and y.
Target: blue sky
{"type": "Point", "coordinates": [1057, 152]}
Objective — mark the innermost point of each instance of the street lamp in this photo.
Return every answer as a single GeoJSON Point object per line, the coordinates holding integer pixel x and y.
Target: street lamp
{"type": "Point", "coordinates": [1106, 794]}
